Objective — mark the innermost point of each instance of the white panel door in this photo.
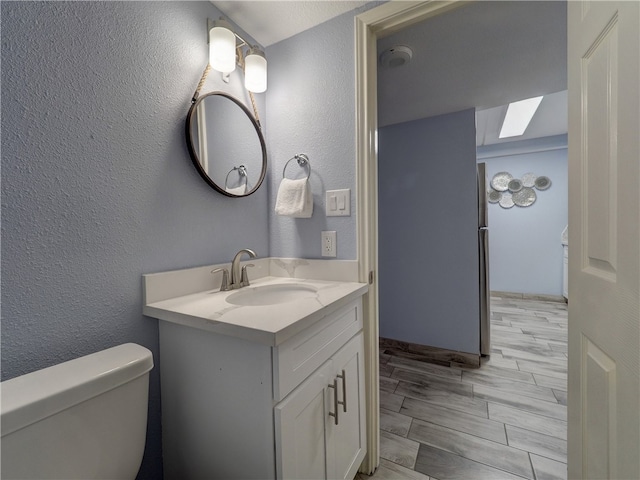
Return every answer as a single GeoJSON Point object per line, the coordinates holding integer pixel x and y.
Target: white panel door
{"type": "Point", "coordinates": [604, 228]}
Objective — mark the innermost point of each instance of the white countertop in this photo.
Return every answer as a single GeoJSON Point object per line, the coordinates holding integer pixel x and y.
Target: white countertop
{"type": "Point", "coordinates": [266, 324]}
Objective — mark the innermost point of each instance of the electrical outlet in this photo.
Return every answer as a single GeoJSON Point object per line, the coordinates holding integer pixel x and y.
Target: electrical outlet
{"type": "Point", "coordinates": [329, 244]}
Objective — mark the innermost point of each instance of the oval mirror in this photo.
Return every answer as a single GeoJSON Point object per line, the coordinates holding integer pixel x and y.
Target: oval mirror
{"type": "Point", "coordinates": [226, 144]}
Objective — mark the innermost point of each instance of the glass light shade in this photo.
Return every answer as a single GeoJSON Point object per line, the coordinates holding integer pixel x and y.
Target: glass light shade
{"type": "Point", "coordinates": [222, 49]}
{"type": "Point", "coordinates": [255, 71]}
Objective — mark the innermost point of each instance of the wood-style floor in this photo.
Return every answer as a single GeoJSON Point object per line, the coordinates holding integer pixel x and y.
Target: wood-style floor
{"type": "Point", "coordinates": [506, 420]}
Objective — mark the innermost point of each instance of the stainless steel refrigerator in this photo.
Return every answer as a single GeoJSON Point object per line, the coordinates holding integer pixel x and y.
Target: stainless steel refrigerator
{"type": "Point", "coordinates": [483, 244]}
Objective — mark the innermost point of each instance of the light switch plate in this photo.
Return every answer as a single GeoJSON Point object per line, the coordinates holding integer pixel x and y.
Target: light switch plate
{"type": "Point", "coordinates": [338, 203]}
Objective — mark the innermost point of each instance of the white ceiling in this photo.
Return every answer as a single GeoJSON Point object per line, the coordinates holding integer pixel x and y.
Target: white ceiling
{"type": "Point", "coordinates": [484, 56]}
{"type": "Point", "coordinates": [269, 22]}
{"type": "Point", "coordinates": [481, 56]}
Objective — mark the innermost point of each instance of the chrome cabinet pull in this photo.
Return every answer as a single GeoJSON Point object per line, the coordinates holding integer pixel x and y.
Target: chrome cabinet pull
{"type": "Point", "coordinates": [344, 391]}
{"type": "Point", "coordinates": [335, 400]}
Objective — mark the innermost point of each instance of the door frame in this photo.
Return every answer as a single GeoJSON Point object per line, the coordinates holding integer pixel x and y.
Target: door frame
{"type": "Point", "coordinates": [371, 25]}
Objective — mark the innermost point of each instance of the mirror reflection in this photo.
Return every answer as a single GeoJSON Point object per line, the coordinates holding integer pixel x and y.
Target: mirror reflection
{"type": "Point", "coordinates": [226, 144]}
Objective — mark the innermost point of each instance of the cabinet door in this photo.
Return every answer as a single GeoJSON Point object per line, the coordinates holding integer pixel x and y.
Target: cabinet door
{"type": "Point", "coordinates": [301, 436]}
{"type": "Point", "coordinates": [347, 439]}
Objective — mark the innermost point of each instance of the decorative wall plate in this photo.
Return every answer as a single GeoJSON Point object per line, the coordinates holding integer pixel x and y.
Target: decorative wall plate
{"type": "Point", "coordinates": [508, 191]}
{"type": "Point", "coordinates": [529, 179]}
{"type": "Point", "coordinates": [493, 196]}
{"type": "Point", "coordinates": [506, 201]}
{"type": "Point", "coordinates": [542, 183]}
{"type": "Point", "coordinates": [525, 197]}
{"type": "Point", "coordinates": [515, 185]}
{"type": "Point", "coordinates": [500, 181]}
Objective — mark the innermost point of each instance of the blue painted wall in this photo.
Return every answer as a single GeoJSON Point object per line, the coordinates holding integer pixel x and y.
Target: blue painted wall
{"type": "Point", "coordinates": [97, 184]}
{"type": "Point", "coordinates": [428, 232]}
{"type": "Point", "coordinates": [525, 254]}
{"type": "Point", "coordinates": [311, 109]}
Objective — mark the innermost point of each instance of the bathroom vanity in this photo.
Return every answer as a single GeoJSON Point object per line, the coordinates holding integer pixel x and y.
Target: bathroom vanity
{"type": "Point", "coordinates": [262, 382]}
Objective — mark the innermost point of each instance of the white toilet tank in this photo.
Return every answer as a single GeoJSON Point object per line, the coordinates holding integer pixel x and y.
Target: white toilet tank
{"type": "Point", "coordinates": [82, 419]}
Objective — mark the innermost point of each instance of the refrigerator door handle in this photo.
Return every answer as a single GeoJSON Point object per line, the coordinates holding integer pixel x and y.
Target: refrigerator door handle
{"type": "Point", "coordinates": [482, 195]}
{"type": "Point", "coordinates": [485, 294]}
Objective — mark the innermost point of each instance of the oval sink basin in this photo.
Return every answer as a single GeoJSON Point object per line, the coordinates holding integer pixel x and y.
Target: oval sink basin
{"type": "Point", "coordinates": [271, 294]}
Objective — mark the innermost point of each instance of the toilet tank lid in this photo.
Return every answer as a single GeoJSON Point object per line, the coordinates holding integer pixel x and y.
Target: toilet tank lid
{"type": "Point", "coordinates": [40, 394]}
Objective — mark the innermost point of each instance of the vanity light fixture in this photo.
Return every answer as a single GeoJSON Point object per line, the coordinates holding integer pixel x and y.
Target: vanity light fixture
{"type": "Point", "coordinates": [222, 47]}
{"type": "Point", "coordinates": [518, 116]}
{"type": "Point", "coordinates": [225, 52]}
{"type": "Point", "coordinates": [255, 70]}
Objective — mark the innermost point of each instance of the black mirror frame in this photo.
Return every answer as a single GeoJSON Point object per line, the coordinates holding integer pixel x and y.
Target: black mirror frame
{"type": "Point", "coordinates": [194, 156]}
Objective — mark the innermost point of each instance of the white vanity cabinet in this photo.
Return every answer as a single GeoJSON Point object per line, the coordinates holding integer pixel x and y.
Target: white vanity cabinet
{"type": "Point", "coordinates": [238, 409]}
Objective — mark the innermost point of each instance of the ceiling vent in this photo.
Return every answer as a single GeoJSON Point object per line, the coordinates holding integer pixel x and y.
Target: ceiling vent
{"type": "Point", "coordinates": [396, 56]}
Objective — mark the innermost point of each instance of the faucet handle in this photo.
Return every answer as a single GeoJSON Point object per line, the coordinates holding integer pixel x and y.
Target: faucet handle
{"type": "Point", "coordinates": [224, 286]}
{"type": "Point", "coordinates": [244, 278]}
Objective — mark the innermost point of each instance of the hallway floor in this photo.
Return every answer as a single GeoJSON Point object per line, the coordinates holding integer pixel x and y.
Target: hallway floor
{"type": "Point", "coordinates": [506, 420]}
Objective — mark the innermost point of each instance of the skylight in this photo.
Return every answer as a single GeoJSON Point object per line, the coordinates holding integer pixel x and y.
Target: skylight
{"type": "Point", "coordinates": [518, 116]}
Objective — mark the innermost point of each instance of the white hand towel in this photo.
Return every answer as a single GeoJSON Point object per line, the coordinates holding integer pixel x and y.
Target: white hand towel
{"type": "Point", "coordinates": [294, 198]}
{"type": "Point", "coordinates": [241, 190]}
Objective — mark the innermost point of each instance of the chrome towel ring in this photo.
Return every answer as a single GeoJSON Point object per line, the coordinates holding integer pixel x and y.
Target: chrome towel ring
{"type": "Point", "coordinates": [303, 161]}
{"type": "Point", "coordinates": [242, 171]}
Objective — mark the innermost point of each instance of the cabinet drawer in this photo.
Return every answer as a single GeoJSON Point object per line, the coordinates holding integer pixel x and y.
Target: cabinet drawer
{"type": "Point", "coordinates": [298, 357]}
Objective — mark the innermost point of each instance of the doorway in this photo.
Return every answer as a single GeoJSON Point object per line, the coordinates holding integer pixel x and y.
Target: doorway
{"type": "Point", "coordinates": [604, 334]}
{"type": "Point", "coordinates": [370, 26]}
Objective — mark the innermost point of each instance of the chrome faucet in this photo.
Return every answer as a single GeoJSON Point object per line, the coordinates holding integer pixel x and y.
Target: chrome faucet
{"type": "Point", "coordinates": [239, 280]}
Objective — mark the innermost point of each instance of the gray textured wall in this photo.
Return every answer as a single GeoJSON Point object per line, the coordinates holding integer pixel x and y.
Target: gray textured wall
{"type": "Point", "coordinates": [311, 109]}
{"type": "Point", "coordinates": [97, 184]}
{"type": "Point", "coordinates": [428, 232]}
